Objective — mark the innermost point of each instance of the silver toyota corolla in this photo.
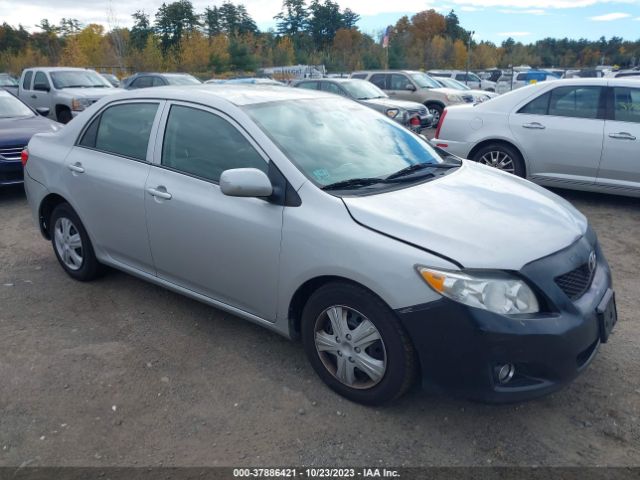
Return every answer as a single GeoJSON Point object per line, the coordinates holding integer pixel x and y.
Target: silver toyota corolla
{"type": "Point", "coordinates": [323, 220]}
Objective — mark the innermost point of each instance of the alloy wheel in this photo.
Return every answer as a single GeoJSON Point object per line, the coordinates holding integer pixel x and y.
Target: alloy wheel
{"type": "Point", "coordinates": [68, 243]}
{"type": "Point", "coordinates": [498, 159]}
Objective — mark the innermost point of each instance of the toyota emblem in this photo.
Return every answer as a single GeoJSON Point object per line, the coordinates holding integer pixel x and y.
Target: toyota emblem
{"type": "Point", "coordinates": [592, 262]}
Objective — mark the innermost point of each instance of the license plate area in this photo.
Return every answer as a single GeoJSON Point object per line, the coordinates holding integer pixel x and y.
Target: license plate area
{"type": "Point", "coordinates": [607, 314]}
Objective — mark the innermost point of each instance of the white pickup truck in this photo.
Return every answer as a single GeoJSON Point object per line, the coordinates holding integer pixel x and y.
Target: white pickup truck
{"type": "Point", "coordinates": [65, 91]}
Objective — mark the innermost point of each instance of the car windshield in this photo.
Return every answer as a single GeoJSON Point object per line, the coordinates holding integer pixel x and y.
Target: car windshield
{"type": "Point", "coordinates": [78, 79]}
{"type": "Point", "coordinates": [11, 107]}
{"type": "Point", "coordinates": [424, 81]}
{"type": "Point", "coordinates": [337, 140]}
{"type": "Point", "coordinates": [363, 90]}
{"type": "Point", "coordinates": [8, 81]}
{"type": "Point", "coordinates": [455, 84]}
{"type": "Point", "coordinates": [182, 80]}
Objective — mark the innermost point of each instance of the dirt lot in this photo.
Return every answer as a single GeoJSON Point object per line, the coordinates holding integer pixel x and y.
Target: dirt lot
{"type": "Point", "coordinates": [120, 372]}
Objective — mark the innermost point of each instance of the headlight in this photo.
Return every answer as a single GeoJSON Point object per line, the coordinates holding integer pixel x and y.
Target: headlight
{"type": "Point", "coordinates": [392, 112]}
{"type": "Point", "coordinates": [454, 98]}
{"type": "Point", "coordinates": [79, 104]}
{"type": "Point", "coordinates": [496, 292]}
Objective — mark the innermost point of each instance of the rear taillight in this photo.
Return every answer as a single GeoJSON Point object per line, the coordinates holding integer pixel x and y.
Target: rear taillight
{"type": "Point", "coordinates": [415, 121]}
{"type": "Point", "coordinates": [442, 117]}
{"type": "Point", "coordinates": [24, 156]}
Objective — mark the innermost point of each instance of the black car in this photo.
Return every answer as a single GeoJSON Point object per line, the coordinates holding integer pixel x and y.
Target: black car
{"type": "Point", "coordinates": [18, 123]}
{"type": "Point", "coordinates": [146, 80]}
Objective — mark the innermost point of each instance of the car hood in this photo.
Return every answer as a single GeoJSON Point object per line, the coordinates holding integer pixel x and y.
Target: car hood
{"type": "Point", "coordinates": [391, 103]}
{"type": "Point", "coordinates": [18, 131]}
{"type": "Point", "coordinates": [448, 91]}
{"type": "Point", "coordinates": [91, 92]}
{"type": "Point", "coordinates": [477, 216]}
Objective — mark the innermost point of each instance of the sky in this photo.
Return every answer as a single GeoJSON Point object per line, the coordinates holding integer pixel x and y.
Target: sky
{"type": "Point", "coordinates": [493, 20]}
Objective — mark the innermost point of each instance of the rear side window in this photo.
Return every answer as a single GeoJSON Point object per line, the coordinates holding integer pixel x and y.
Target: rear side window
{"type": "Point", "coordinates": [308, 85]}
{"type": "Point", "coordinates": [142, 82]}
{"type": "Point", "coordinates": [361, 76]}
{"type": "Point", "coordinates": [626, 107]}
{"type": "Point", "coordinates": [521, 77]}
{"type": "Point", "coordinates": [26, 82]}
{"type": "Point", "coordinates": [539, 106]}
{"type": "Point", "coordinates": [204, 145]}
{"type": "Point", "coordinates": [379, 80]}
{"type": "Point", "coordinates": [122, 130]}
{"type": "Point", "coordinates": [576, 102]}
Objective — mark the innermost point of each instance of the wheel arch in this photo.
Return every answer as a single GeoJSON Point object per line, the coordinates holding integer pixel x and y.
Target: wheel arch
{"type": "Point", "coordinates": [484, 143]}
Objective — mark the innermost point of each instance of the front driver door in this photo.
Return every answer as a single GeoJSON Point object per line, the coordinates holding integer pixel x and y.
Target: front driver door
{"type": "Point", "coordinates": [620, 166]}
{"type": "Point", "coordinates": [226, 248]}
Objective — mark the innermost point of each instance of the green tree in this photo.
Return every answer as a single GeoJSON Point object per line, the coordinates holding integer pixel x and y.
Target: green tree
{"type": "Point", "coordinates": [292, 20]}
{"type": "Point", "coordinates": [174, 20]}
{"type": "Point", "coordinates": [140, 31]}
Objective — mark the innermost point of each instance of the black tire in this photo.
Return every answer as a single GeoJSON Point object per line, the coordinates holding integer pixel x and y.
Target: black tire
{"type": "Point", "coordinates": [502, 149]}
{"type": "Point", "coordinates": [89, 268]}
{"type": "Point", "coordinates": [437, 110]}
{"type": "Point", "coordinates": [64, 115]}
{"type": "Point", "coordinates": [401, 362]}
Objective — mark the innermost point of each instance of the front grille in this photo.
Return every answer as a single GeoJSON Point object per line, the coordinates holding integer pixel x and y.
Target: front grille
{"type": "Point", "coordinates": [421, 112]}
{"type": "Point", "coordinates": [576, 282]}
{"type": "Point", "coordinates": [11, 153]}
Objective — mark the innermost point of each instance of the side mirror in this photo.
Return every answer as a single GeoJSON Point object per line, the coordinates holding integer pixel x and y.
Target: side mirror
{"type": "Point", "coordinates": [41, 87]}
{"type": "Point", "coordinates": [44, 111]}
{"type": "Point", "coordinates": [245, 182]}
{"type": "Point", "coordinates": [410, 87]}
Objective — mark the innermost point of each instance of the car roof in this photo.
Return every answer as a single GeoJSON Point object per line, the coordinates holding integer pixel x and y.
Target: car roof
{"type": "Point", "coordinates": [61, 69]}
{"type": "Point", "coordinates": [387, 71]}
{"type": "Point", "coordinates": [236, 94]}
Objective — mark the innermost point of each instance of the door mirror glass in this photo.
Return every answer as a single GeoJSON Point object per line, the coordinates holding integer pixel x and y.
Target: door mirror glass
{"type": "Point", "coordinates": [245, 182]}
{"type": "Point", "coordinates": [43, 111]}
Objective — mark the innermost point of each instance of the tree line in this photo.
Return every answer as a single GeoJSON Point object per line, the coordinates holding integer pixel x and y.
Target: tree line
{"type": "Point", "coordinates": [227, 39]}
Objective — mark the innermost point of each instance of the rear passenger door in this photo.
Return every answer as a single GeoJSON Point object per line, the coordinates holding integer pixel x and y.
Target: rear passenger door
{"type": "Point", "coordinates": [560, 134]}
{"type": "Point", "coordinates": [106, 173]}
{"type": "Point", "coordinates": [620, 166]}
{"type": "Point", "coordinates": [201, 239]}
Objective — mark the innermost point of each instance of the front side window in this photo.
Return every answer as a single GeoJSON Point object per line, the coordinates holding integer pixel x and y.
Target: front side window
{"type": "Point", "coordinates": [204, 145]}
{"type": "Point", "coordinates": [400, 82]}
{"type": "Point", "coordinates": [122, 130]}
{"type": "Point", "coordinates": [312, 134]}
{"type": "Point", "coordinates": [331, 88]}
{"type": "Point", "coordinates": [576, 102]}
{"type": "Point", "coordinates": [626, 106]}
{"type": "Point", "coordinates": [308, 85]}
{"type": "Point", "coordinates": [157, 82]}
{"type": "Point", "coordinates": [142, 82]}
{"type": "Point", "coordinates": [41, 82]}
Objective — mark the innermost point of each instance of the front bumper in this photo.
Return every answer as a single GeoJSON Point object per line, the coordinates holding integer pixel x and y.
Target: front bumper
{"type": "Point", "coordinates": [460, 347]}
{"type": "Point", "coordinates": [11, 172]}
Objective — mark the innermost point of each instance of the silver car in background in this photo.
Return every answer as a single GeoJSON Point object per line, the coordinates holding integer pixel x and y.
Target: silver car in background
{"type": "Point", "coordinates": [575, 133]}
{"type": "Point", "coordinates": [315, 217]}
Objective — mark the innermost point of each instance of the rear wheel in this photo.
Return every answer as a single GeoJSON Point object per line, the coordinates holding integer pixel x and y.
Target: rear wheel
{"type": "Point", "coordinates": [71, 244]}
{"type": "Point", "coordinates": [501, 156]}
{"type": "Point", "coordinates": [356, 344]}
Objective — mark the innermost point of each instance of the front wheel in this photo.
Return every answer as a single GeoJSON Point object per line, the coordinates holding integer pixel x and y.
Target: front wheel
{"type": "Point", "coordinates": [435, 110]}
{"type": "Point", "coordinates": [501, 156]}
{"type": "Point", "coordinates": [356, 344]}
{"type": "Point", "coordinates": [64, 115]}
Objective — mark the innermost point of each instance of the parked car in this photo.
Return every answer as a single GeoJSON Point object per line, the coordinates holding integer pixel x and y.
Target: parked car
{"type": "Point", "coordinates": [584, 73]}
{"type": "Point", "coordinates": [479, 95]}
{"type": "Point", "coordinates": [632, 74]}
{"type": "Point", "coordinates": [315, 217]}
{"type": "Point", "coordinates": [415, 87]}
{"type": "Point", "coordinates": [146, 80]}
{"type": "Point", "coordinates": [509, 82]}
{"type": "Point", "coordinates": [470, 79]}
{"type": "Point", "coordinates": [18, 123]}
{"type": "Point", "coordinates": [112, 79]}
{"type": "Point", "coordinates": [255, 81]}
{"type": "Point", "coordinates": [410, 114]}
{"type": "Point", "coordinates": [65, 91]}
{"type": "Point", "coordinates": [8, 83]}
{"type": "Point", "coordinates": [582, 134]}
{"type": "Point", "coordinates": [493, 74]}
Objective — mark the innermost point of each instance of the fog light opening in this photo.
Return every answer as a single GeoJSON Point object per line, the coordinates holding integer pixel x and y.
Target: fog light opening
{"type": "Point", "coordinates": [505, 373]}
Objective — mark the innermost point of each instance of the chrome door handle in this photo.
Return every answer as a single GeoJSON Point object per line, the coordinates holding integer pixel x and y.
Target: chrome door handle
{"type": "Point", "coordinates": [534, 126]}
{"type": "Point", "coordinates": [622, 136]}
{"type": "Point", "coordinates": [159, 193]}
{"type": "Point", "coordinates": [76, 167]}
{"type": "Point", "coordinates": [34, 96]}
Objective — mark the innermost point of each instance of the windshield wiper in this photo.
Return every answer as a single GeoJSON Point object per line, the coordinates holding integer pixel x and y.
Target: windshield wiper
{"type": "Point", "coordinates": [74, 86]}
{"type": "Point", "coordinates": [420, 166]}
{"type": "Point", "coordinates": [353, 183]}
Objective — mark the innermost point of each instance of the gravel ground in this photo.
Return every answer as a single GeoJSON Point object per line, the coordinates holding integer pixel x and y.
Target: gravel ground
{"type": "Point", "coordinates": [120, 372]}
